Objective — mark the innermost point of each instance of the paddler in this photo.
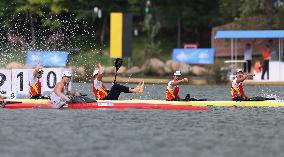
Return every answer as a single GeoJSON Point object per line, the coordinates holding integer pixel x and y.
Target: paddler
{"type": "Point", "coordinates": [173, 87]}
{"type": "Point", "coordinates": [35, 83]}
{"type": "Point", "coordinates": [237, 89]}
{"type": "Point", "coordinates": [61, 94]}
{"type": "Point", "coordinates": [102, 93]}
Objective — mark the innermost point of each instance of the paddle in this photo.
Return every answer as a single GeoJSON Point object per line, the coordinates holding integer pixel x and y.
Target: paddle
{"type": "Point", "coordinates": [188, 98]}
{"type": "Point", "coordinates": [118, 62]}
{"type": "Point", "coordinates": [258, 98]}
{"type": "Point", "coordinates": [81, 99]}
{"type": "Point", "coordinates": [269, 98]}
{"type": "Point", "coordinates": [83, 94]}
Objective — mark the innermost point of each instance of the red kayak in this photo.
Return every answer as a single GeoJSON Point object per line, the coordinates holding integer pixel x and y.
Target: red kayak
{"type": "Point", "coordinates": [108, 105]}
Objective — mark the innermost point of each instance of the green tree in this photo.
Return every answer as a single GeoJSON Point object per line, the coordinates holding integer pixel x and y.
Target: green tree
{"type": "Point", "coordinates": [152, 28]}
{"type": "Point", "coordinates": [230, 10]}
{"type": "Point", "coordinates": [253, 12]}
{"type": "Point", "coordinates": [6, 11]}
{"type": "Point", "coordinates": [46, 9]}
{"type": "Point", "coordinates": [197, 17]}
{"type": "Point", "coordinates": [85, 10]}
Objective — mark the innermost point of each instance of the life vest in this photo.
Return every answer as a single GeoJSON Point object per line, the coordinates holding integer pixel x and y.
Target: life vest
{"type": "Point", "coordinates": [99, 89]}
{"type": "Point", "coordinates": [35, 88]}
{"type": "Point", "coordinates": [172, 91]}
{"type": "Point", "coordinates": [237, 89]}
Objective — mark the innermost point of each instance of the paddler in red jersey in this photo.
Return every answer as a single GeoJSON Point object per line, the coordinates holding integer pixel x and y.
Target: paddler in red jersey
{"type": "Point", "coordinates": [173, 87]}
{"type": "Point", "coordinates": [237, 89]}
{"type": "Point", "coordinates": [100, 91]}
{"type": "Point", "coordinates": [35, 84]}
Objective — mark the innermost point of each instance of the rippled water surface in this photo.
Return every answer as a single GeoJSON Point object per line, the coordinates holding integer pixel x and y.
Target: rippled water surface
{"type": "Point", "coordinates": [217, 132]}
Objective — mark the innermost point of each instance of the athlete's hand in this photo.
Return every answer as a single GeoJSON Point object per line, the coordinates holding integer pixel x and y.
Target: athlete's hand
{"type": "Point", "coordinates": [77, 94]}
{"type": "Point", "coordinates": [67, 99]}
{"type": "Point", "coordinates": [250, 74]}
{"type": "Point", "coordinates": [185, 80]}
{"type": "Point", "coordinates": [38, 67]}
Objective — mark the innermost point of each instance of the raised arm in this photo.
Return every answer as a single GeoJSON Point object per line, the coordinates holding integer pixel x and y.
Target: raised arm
{"type": "Point", "coordinates": [245, 76]}
{"type": "Point", "coordinates": [100, 73]}
{"type": "Point", "coordinates": [36, 70]}
{"type": "Point", "coordinates": [182, 81]}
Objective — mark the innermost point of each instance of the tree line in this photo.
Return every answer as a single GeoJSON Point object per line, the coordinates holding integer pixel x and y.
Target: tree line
{"type": "Point", "coordinates": [34, 18]}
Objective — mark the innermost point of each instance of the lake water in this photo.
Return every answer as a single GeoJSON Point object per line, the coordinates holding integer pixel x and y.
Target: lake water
{"type": "Point", "coordinates": [218, 132]}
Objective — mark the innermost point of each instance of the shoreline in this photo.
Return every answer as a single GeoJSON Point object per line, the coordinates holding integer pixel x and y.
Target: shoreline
{"type": "Point", "coordinates": [263, 83]}
{"type": "Point", "coordinates": [110, 79]}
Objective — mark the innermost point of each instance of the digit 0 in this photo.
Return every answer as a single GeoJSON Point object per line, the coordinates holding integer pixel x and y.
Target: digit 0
{"type": "Point", "coordinates": [51, 73]}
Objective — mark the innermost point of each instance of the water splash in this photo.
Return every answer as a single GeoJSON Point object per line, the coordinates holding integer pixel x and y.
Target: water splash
{"type": "Point", "coordinates": [76, 35]}
{"type": "Point", "coordinates": [269, 93]}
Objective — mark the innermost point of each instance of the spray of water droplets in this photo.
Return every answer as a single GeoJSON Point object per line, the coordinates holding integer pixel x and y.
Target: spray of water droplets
{"type": "Point", "coordinates": [64, 32]}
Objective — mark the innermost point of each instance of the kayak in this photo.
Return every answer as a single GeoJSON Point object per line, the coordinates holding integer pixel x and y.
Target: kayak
{"type": "Point", "coordinates": [266, 103]}
{"type": "Point", "coordinates": [106, 105]}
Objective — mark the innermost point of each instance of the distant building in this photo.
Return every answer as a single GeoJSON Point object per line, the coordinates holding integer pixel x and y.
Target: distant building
{"type": "Point", "coordinates": [223, 46]}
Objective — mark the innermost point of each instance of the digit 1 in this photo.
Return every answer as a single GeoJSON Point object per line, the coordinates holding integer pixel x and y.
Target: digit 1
{"type": "Point", "coordinates": [21, 75]}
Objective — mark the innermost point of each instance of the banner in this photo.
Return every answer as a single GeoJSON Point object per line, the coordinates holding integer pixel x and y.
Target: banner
{"type": "Point", "coordinates": [47, 58]}
{"type": "Point", "coordinates": [194, 56]}
{"type": "Point", "coordinates": [120, 35]}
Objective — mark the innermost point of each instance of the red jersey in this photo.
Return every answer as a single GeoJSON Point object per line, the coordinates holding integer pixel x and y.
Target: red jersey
{"type": "Point", "coordinates": [99, 90]}
{"type": "Point", "coordinates": [237, 89]}
{"type": "Point", "coordinates": [35, 88]}
{"type": "Point", "coordinates": [172, 91]}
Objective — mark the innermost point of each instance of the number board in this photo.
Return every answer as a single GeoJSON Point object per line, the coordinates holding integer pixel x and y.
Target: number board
{"type": "Point", "coordinates": [20, 81]}
{"type": "Point", "coordinates": [16, 81]}
{"type": "Point", "coordinates": [5, 82]}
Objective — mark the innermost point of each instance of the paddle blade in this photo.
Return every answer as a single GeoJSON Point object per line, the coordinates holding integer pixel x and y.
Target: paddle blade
{"type": "Point", "coordinates": [118, 63]}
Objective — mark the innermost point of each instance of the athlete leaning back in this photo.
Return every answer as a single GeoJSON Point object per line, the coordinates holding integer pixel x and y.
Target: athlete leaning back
{"type": "Point", "coordinates": [100, 91]}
